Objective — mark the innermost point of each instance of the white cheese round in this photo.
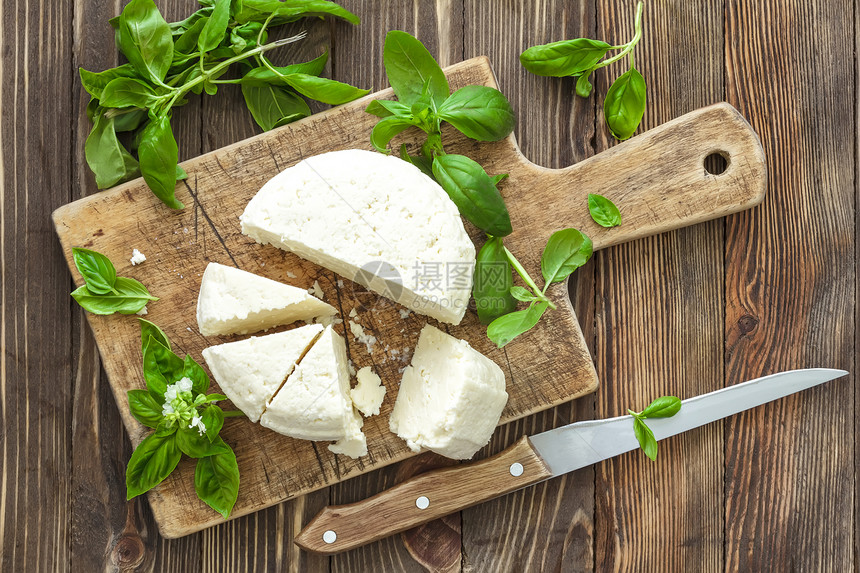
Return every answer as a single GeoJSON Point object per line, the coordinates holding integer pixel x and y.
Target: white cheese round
{"type": "Point", "coordinates": [374, 219]}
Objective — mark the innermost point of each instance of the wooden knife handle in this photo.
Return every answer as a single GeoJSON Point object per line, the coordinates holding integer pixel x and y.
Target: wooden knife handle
{"type": "Point", "coordinates": [423, 498]}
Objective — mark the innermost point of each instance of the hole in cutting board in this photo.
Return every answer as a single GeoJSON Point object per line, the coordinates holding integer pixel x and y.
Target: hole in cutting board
{"type": "Point", "coordinates": [716, 163]}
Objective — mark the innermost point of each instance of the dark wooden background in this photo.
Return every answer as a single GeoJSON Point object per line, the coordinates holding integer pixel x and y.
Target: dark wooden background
{"type": "Point", "coordinates": [687, 312]}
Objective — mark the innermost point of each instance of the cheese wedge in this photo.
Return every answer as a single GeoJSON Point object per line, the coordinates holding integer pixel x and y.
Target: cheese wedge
{"type": "Point", "coordinates": [374, 219]}
{"type": "Point", "coordinates": [250, 371]}
{"type": "Point", "coordinates": [233, 301]}
{"type": "Point", "coordinates": [314, 403]}
{"type": "Point", "coordinates": [451, 397]}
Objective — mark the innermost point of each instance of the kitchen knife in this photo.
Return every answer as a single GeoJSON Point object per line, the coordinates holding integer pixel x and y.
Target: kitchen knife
{"type": "Point", "coordinates": [531, 460]}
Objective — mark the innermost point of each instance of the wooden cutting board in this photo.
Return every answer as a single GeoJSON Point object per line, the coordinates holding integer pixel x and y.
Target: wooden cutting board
{"type": "Point", "coordinates": [657, 179]}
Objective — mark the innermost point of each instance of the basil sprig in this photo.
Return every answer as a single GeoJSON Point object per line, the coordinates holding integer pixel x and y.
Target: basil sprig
{"type": "Point", "coordinates": [186, 421]}
{"type": "Point", "coordinates": [104, 292]}
{"type": "Point", "coordinates": [603, 211]}
{"type": "Point", "coordinates": [483, 114]}
{"type": "Point", "coordinates": [662, 407]}
{"type": "Point", "coordinates": [624, 104]}
{"type": "Point", "coordinates": [169, 60]}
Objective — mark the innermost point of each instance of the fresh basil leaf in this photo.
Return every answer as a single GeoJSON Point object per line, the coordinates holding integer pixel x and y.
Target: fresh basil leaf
{"type": "Point", "coordinates": [198, 376]}
{"type": "Point", "coordinates": [386, 108]}
{"type": "Point", "coordinates": [161, 367]}
{"type": "Point", "coordinates": [97, 270]}
{"type": "Point", "coordinates": [159, 156]}
{"type": "Point", "coordinates": [187, 42]}
{"type": "Point", "coordinates": [144, 408]}
{"type": "Point", "coordinates": [566, 251]}
{"type": "Point", "coordinates": [216, 481]}
{"type": "Point", "coordinates": [213, 419]}
{"type": "Point", "coordinates": [409, 66]}
{"type": "Point", "coordinates": [418, 161]}
{"type": "Point", "coordinates": [259, 11]}
{"type": "Point", "coordinates": [499, 178]}
{"type": "Point", "coordinates": [177, 28]}
{"type": "Point", "coordinates": [128, 92]}
{"type": "Point", "coordinates": [507, 327]}
{"type": "Point", "coordinates": [194, 445]}
{"type": "Point", "coordinates": [132, 297]}
{"type": "Point", "coordinates": [474, 193]}
{"type": "Point", "coordinates": [565, 58]}
{"type": "Point", "coordinates": [624, 104]}
{"type": "Point", "coordinates": [95, 82]}
{"type": "Point", "coordinates": [145, 39]}
{"type": "Point", "coordinates": [216, 26]}
{"type": "Point", "coordinates": [662, 407]}
{"type": "Point", "coordinates": [152, 461]}
{"type": "Point", "coordinates": [148, 329]}
{"type": "Point", "coordinates": [273, 106]}
{"type": "Point", "coordinates": [492, 282]}
{"type": "Point", "coordinates": [583, 85]}
{"type": "Point", "coordinates": [106, 156]}
{"type": "Point", "coordinates": [645, 437]}
{"type": "Point", "coordinates": [128, 120]}
{"type": "Point", "coordinates": [522, 294]}
{"type": "Point", "coordinates": [323, 89]}
{"type": "Point", "coordinates": [603, 211]}
{"type": "Point", "coordinates": [386, 129]}
{"type": "Point", "coordinates": [180, 173]}
{"type": "Point", "coordinates": [479, 112]}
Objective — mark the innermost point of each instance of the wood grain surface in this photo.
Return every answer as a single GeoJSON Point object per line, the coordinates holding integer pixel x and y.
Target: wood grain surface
{"type": "Point", "coordinates": [695, 309]}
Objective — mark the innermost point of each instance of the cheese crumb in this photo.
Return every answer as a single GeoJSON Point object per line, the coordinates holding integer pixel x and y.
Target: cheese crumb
{"type": "Point", "coordinates": [351, 368]}
{"type": "Point", "coordinates": [136, 257]}
{"type": "Point", "coordinates": [358, 332]}
{"type": "Point", "coordinates": [142, 312]}
{"type": "Point", "coordinates": [317, 290]}
{"type": "Point", "coordinates": [339, 283]}
{"type": "Point", "coordinates": [292, 275]}
{"type": "Point", "coordinates": [404, 313]}
{"type": "Point", "coordinates": [353, 313]}
{"type": "Point", "coordinates": [368, 393]}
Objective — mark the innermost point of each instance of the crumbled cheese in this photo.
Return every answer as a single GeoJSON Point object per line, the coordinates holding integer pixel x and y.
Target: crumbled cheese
{"type": "Point", "coordinates": [136, 257]}
{"type": "Point", "coordinates": [353, 313]}
{"type": "Point", "coordinates": [350, 368]}
{"type": "Point", "coordinates": [327, 320]}
{"type": "Point", "coordinates": [292, 275]}
{"type": "Point", "coordinates": [142, 312]}
{"type": "Point", "coordinates": [404, 313]}
{"type": "Point", "coordinates": [317, 290]}
{"type": "Point", "coordinates": [368, 393]}
{"type": "Point", "coordinates": [339, 283]}
{"type": "Point", "coordinates": [358, 332]}
{"type": "Point", "coordinates": [374, 219]}
{"type": "Point", "coordinates": [450, 399]}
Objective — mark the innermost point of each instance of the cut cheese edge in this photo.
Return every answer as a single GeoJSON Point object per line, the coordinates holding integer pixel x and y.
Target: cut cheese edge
{"type": "Point", "coordinates": [251, 371]}
{"type": "Point", "coordinates": [374, 219]}
{"type": "Point", "coordinates": [368, 393]}
{"type": "Point", "coordinates": [233, 301]}
{"type": "Point", "coordinates": [451, 397]}
{"type": "Point", "coordinates": [314, 402]}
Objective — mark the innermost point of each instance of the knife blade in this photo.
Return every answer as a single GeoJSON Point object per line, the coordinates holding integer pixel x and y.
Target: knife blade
{"type": "Point", "coordinates": [531, 460]}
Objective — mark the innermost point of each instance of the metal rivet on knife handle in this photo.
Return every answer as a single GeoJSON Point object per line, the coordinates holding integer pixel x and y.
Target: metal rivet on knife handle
{"type": "Point", "coordinates": [422, 502]}
{"type": "Point", "coordinates": [329, 536]}
{"type": "Point", "coordinates": [516, 469]}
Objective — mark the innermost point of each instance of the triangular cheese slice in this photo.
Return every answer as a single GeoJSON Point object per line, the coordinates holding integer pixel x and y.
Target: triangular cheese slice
{"type": "Point", "coordinates": [250, 371]}
{"type": "Point", "coordinates": [314, 403]}
{"type": "Point", "coordinates": [233, 301]}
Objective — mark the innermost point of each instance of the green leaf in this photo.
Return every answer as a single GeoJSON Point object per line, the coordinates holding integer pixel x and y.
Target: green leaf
{"type": "Point", "coordinates": [479, 112]}
{"type": "Point", "coordinates": [198, 376]}
{"type": "Point", "coordinates": [662, 407]}
{"type": "Point", "coordinates": [474, 193]}
{"type": "Point", "coordinates": [603, 211]}
{"type": "Point", "coordinates": [583, 86]}
{"type": "Point", "coordinates": [386, 129]}
{"type": "Point", "coordinates": [95, 82]}
{"type": "Point", "coordinates": [106, 156]}
{"type": "Point", "coordinates": [148, 329]}
{"type": "Point", "coordinates": [645, 437]}
{"type": "Point", "coordinates": [128, 92]}
{"type": "Point", "coordinates": [159, 156]}
{"type": "Point", "coordinates": [132, 296]}
{"type": "Point", "coordinates": [492, 283]}
{"type": "Point", "coordinates": [216, 26]}
{"type": "Point", "coordinates": [259, 11]}
{"type": "Point", "coordinates": [418, 161]}
{"type": "Point", "coordinates": [145, 39]}
{"type": "Point", "coordinates": [522, 294]}
{"type": "Point", "coordinates": [507, 327]}
{"type": "Point", "coordinates": [273, 106]}
{"type": "Point", "coordinates": [565, 58]}
{"type": "Point", "coordinates": [386, 108]}
{"type": "Point", "coordinates": [213, 419]}
{"type": "Point", "coordinates": [566, 251]}
{"type": "Point", "coordinates": [144, 408]}
{"type": "Point", "coordinates": [323, 89]}
{"type": "Point", "coordinates": [187, 42]}
{"type": "Point", "coordinates": [97, 270]}
{"type": "Point", "coordinates": [624, 104]}
{"type": "Point", "coordinates": [499, 178]}
{"type": "Point", "coordinates": [409, 66]}
{"type": "Point", "coordinates": [194, 445]}
{"type": "Point", "coordinates": [160, 367]}
{"type": "Point", "coordinates": [128, 120]}
{"type": "Point", "coordinates": [152, 461]}
{"type": "Point", "coordinates": [216, 481]}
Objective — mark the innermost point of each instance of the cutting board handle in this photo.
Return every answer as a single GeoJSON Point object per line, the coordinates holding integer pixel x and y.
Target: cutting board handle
{"type": "Point", "coordinates": [658, 180]}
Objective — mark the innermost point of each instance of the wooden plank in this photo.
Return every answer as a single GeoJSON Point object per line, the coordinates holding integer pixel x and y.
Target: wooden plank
{"type": "Point", "coordinates": [659, 320]}
{"type": "Point", "coordinates": [791, 289]}
{"type": "Point", "coordinates": [548, 527]}
{"type": "Point", "coordinates": [35, 366]}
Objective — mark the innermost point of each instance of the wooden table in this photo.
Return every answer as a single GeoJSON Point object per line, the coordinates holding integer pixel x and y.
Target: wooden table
{"type": "Point", "coordinates": [687, 312]}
